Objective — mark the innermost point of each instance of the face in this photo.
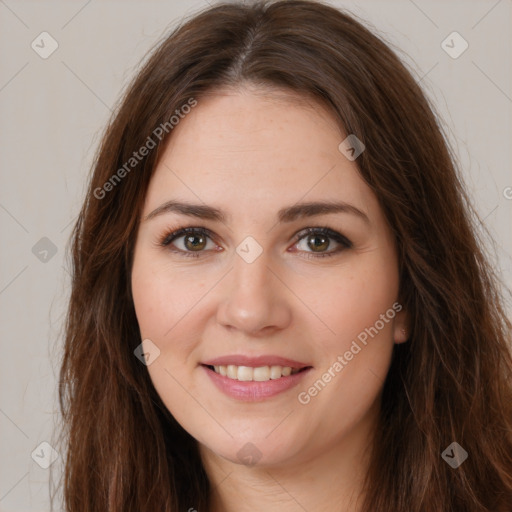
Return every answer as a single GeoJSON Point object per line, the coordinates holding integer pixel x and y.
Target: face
{"type": "Point", "coordinates": [297, 304]}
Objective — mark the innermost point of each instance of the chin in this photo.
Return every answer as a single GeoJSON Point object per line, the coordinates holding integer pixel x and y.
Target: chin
{"type": "Point", "coordinates": [256, 452]}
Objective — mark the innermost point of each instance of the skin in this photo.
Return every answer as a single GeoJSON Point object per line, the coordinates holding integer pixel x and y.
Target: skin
{"type": "Point", "coordinates": [251, 152]}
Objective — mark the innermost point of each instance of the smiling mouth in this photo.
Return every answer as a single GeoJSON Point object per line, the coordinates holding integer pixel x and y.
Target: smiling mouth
{"type": "Point", "coordinates": [258, 374]}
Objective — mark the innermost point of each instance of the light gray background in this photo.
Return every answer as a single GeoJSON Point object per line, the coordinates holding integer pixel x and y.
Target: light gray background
{"type": "Point", "coordinates": [51, 115]}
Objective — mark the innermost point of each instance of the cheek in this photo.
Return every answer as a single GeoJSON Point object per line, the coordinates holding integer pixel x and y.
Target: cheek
{"type": "Point", "coordinates": [358, 304]}
{"type": "Point", "coordinates": [170, 311]}
{"type": "Point", "coordinates": [354, 297]}
{"type": "Point", "coordinates": [151, 302]}
{"type": "Point", "coordinates": [355, 357]}
{"type": "Point", "coordinates": [161, 296]}
{"type": "Point", "coordinates": [162, 307]}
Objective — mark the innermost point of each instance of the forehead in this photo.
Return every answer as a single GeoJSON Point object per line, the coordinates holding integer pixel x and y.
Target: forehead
{"type": "Point", "coordinates": [249, 149]}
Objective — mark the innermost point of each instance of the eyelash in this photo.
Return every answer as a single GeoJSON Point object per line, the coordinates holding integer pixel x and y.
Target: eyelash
{"type": "Point", "coordinates": [168, 238]}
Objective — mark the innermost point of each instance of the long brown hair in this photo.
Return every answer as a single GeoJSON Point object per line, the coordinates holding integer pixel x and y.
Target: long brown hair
{"type": "Point", "coordinates": [450, 382]}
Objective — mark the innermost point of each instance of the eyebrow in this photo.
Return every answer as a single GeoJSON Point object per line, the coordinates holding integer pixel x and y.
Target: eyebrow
{"type": "Point", "coordinates": [288, 214]}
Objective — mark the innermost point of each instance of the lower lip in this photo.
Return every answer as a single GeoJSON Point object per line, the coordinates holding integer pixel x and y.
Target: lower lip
{"type": "Point", "coordinates": [251, 391]}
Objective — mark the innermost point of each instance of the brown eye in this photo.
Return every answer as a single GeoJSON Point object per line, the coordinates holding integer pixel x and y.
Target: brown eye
{"type": "Point", "coordinates": [189, 241]}
{"type": "Point", "coordinates": [318, 243]}
{"type": "Point", "coordinates": [195, 242]}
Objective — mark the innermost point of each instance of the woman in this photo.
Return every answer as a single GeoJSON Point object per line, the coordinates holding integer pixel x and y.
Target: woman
{"type": "Point", "coordinates": [279, 300]}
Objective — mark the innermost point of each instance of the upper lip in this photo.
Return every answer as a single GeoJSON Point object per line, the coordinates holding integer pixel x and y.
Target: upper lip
{"type": "Point", "coordinates": [255, 361]}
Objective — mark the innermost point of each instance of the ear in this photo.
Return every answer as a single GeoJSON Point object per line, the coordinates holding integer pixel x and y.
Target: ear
{"type": "Point", "coordinates": [401, 327]}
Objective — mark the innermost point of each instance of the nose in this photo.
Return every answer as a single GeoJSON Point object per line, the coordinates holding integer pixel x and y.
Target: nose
{"type": "Point", "coordinates": [255, 300]}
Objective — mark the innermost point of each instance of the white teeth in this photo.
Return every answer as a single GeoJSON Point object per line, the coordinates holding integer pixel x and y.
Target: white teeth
{"type": "Point", "coordinates": [275, 372]}
{"type": "Point", "coordinates": [286, 371]}
{"type": "Point", "coordinates": [232, 371]}
{"type": "Point", "coordinates": [245, 373]}
{"type": "Point", "coordinates": [259, 374]}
